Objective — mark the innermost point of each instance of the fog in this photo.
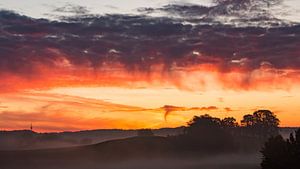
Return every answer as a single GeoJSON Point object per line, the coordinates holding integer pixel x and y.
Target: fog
{"type": "Point", "coordinates": [30, 140]}
{"type": "Point", "coordinates": [225, 161]}
{"type": "Point", "coordinates": [139, 152]}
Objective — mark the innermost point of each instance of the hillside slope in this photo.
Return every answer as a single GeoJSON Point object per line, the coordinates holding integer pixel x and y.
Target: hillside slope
{"type": "Point", "coordinates": [131, 153]}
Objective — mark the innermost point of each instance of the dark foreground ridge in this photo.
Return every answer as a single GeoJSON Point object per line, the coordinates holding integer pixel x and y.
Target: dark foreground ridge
{"type": "Point", "coordinates": [130, 153]}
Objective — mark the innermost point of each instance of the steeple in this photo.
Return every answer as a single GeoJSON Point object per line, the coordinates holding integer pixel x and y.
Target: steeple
{"type": "Point", "coordinates": [31, 128]}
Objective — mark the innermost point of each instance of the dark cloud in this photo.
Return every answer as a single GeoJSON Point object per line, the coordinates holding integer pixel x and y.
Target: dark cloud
{"type": "Point", "coordinates": [234, 12]}
{"type": "Point", "coordinates": [170, 108]}
{"type": "Point", "coordinates": [139, 41]}
{"type": "Point", "coordinates": [228, 109]}
{"type": "Point", "coordinates": [72, 9]}
{"type": "Point", "coordinates": [188, 10]}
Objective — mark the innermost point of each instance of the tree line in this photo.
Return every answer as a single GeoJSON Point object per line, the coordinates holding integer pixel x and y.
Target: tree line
{"type": "Point", "coordinates": [207, 134]}
{"type": "Point", "coordinates": [256, 132]}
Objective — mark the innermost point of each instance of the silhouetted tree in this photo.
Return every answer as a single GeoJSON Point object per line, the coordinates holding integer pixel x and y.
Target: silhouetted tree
{"type": "Point", "coordinates": [248, 120]}
{"type": "Point", "coordinates": [145, 132]}
{"type": "Point", "coordinates": [229, 122]}
{"type": "Point", "coordinates": [282, 154]}
{"type": "Point", "coordinates": [274, 153]}
{"type": "Point", "coordinates": [206, 133]}
{"type": "Point", "coordinates": [294, 150]}
{"type": "Point", "coordinates": [262, 123]}
{"type": "Point", "coordinates": [298, 137]}
{"type": "Point", "coordinates": [202, 124]}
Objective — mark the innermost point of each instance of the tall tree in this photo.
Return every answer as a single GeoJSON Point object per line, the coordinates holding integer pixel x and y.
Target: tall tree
{"type": "Point", "coordinates": [275, 153]}
{"type": "Point", "coordinates": [205, 133]}
{"type": "Point", "coordinates": [229, 122]}
{"type": "Point", "coordinates": [263, 123]}
{"type": "Point", "coordinates": [282, 154]}
{"type": "Point", "coordinates": [247, 120]}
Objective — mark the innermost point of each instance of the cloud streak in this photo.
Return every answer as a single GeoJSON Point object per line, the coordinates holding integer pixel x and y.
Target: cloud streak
{"type": "Point", "coordinates": [71, 113]}
{"type": "Point", "coordinates": [168, 109]}
{"type": "Point", "coordinates": [79, 113]}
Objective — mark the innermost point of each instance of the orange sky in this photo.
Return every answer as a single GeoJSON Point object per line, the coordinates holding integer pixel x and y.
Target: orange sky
{"type": "Point", "coordinates": [147, 69]}
{"type": "Point", "coordinates": [91, 100]}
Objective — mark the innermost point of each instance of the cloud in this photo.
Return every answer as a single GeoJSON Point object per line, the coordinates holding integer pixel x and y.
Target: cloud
{"type": "Point", "coordinates": [208, 108]}
{"type": "Point", "coordinates": [73, 9]}
{"type": "Point", "coordinates": [61, 122]}
{"type": "Point", "coordinates": [72, 113]}
{"type": "Point", "coordinates": [78, 113]}
{"type": "Point", "coordinates": [126, 50]}
{"type": "Point", "coordinates": [169, 109]}
{"type": "Point", "coordinates": [231, 12]}
{"type": "Point", "coordinates": [228, 109]}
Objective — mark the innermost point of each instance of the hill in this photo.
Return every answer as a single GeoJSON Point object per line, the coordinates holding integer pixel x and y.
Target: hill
{"type": "Point", "coordinates": [129, 153]}
{"type": "Point", "coordinates": [28, 140]}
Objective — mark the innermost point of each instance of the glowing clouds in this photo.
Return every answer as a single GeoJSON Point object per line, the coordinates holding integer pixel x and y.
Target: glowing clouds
{"type": "Point", "coordinates": [54, 112]}
{"type": "Point", "coordinates": [124, 50]}
{"type": "Point", "coordinates": [198, 51]}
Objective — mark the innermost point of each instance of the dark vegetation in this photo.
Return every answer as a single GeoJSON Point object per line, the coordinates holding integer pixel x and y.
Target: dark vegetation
{"type": "Point", "coordinates": [211, 135]}
{"type": "Point", "coordinates": [204, 140]}
{"type": "Point", "coordinates": [279, 153]}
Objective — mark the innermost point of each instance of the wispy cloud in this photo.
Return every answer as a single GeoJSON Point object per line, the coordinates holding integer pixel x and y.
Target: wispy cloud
{"type": "Point", "coordinates": [169, 109]}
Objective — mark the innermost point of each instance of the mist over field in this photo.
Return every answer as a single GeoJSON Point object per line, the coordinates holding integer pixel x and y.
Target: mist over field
{"type": "Point", "coordinates": [112, 155]}
{"type": "Point", "coordinates": [28, 140]}
{"type": "Point", "coordinates": [227, 161]}
{"type": "Point", "coordinates": [123, 150]}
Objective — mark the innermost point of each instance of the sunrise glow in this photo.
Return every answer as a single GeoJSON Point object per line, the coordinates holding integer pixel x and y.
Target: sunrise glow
{"type": "Point", "coordinates": [144, 69]}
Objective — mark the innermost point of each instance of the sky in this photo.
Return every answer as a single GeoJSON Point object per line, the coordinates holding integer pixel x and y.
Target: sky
{"type": "Point", "coordinates": [81, 65]}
